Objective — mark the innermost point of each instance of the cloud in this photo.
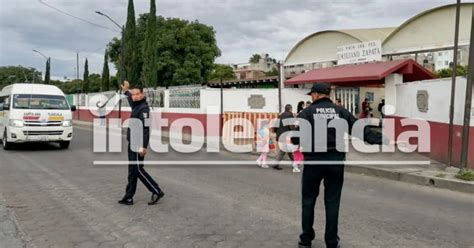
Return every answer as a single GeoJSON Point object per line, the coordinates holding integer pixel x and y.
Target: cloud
{"type": "Point", "coordinates": [242, 27]}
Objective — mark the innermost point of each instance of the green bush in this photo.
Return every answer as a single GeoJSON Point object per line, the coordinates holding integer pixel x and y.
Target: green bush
{"type": "Point", "coordinates": [466, 175]}
{"type": "Point", "coordinates": [447, 72]}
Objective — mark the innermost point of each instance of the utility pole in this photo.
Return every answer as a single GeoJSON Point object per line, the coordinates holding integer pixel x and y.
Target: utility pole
{"type": "Point", "coordinates": [453, 85]}
{"type": "Point", "coordinates": [79, 95]}
{"type": "Point", "coordinates": [281, 81]}
{"type": "Point", "coordinates": [222, 107]}
{"type": "Point", "coordinates": [48, 63]}
{"type": "Point", "coordinates": [77, 65]}
{"type": "Point", "coordinates": [122, 72]}
{"type": "Point", "coordinates": [122, 60]}
{"type": "Point", "coordinates": [468, 101]}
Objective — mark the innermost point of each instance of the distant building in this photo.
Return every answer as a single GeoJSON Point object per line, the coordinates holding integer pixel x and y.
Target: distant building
{"type": "Point", "coordinates": [426, 38]}
{"type": "Point", "coordinates": [255, 70]}
{"type": "Point", "coordinates": [62, 79]}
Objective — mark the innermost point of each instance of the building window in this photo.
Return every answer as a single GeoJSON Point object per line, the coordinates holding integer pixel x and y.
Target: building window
{"type": "Point", "coordinates": [446, 63]}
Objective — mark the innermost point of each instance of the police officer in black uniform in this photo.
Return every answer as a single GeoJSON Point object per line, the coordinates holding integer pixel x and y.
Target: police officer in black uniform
{"type": "Point", "coordinates": [332, 172]}
{"type": "Point", "coordinates": [137, 148]}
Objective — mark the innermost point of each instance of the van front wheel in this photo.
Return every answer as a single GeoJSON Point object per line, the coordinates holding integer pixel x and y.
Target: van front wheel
{"type": "Point", "coordinates": [64, 144]}
{"type": "Point", "coordinates": [6, 145]}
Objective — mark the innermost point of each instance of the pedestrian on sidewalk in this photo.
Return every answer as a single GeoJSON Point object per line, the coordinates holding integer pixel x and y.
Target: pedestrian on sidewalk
{"type": "Point", "coordinates": [300, 107]}
{"type": "Point", "coordinates": [381, 110]}
{"type": "Point", "coordinates": [316, 169]}
{"type": "Point", "coordinates": [137, 149]}
{"type": "Point", "coordinates": [366, 109]}
{"type": "Point", "coordinates": [262, 144]}
{"type": "Point", "coordinates": [281, 136]}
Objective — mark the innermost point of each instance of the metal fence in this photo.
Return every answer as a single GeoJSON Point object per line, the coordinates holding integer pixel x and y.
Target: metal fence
{"type": "Point", "coordinates": [185, 97]}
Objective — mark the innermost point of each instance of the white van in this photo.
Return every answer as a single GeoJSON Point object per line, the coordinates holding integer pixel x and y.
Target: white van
{"type": "Point", "coordinates": [34, 113]}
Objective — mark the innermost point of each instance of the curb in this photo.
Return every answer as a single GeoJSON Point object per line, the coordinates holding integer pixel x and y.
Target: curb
{"type": "Point", "coordinates": [412, 177]}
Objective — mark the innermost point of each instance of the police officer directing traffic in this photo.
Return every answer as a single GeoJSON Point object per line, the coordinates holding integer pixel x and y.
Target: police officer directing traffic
{"type": "Point", "coordinates": [317, 170]}
{"type": "Point", "coordinates": [137, 146]}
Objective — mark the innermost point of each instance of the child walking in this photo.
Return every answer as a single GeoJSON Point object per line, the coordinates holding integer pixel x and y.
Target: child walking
{"type": "Point", "coordinates": [298, 160]}
{"type": "Point", "coordinates": [297, 155]}
{"type": "Point", "coordinates": [263, 138]}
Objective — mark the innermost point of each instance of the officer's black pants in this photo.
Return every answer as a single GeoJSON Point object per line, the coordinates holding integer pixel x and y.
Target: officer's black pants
{"type": "Point", "coordinates": [333, 177]}
{"type": "Point", "coordinates": [135, 172]}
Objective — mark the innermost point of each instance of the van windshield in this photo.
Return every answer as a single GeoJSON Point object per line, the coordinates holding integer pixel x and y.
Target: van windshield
{"type": "Point", "coordinates": [32, 101]}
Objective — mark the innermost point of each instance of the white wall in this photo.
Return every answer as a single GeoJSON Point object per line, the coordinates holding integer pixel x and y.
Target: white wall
{"type": "Point", "coordinates": [236, 100]}
{"type": "Point", "coordinates": [391, 82]}
{"type": "Point", "coordinates": [293, 96]}
{"type": "Point", "coordinates": [439, 91]}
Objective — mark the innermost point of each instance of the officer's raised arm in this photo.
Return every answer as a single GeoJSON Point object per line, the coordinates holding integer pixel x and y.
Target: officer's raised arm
{"type": "Point", "coordinates": [125, 86]}
{"type": "Point", "coordinates": [370, 136]}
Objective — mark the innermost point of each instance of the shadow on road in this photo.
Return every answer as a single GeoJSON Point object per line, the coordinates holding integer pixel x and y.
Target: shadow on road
{"type": "Point", "coordinates": [35, 147]}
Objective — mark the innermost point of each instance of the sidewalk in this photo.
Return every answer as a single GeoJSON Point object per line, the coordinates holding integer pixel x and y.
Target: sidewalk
{"type": "Point", "coordinates": [405, 167]}
{"type": "Point", "coordinates": [394, 166]}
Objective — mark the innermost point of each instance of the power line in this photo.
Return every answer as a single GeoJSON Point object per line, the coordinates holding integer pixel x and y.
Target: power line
{"type": "Point", "coordinates": [76, 17]}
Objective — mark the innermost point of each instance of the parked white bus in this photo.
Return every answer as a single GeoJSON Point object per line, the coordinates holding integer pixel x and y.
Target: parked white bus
{"type": "Point", "coordinates": [34, 113]}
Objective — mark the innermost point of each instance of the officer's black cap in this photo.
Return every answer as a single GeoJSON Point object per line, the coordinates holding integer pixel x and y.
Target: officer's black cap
{"type": "Point", "coordinates": [322, 88]}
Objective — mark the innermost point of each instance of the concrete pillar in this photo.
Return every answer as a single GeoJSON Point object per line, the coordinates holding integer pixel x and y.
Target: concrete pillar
{"type": "Point", "coordinates": [332, 95]}
{"type": "Point", "coordinates": [391, 81]}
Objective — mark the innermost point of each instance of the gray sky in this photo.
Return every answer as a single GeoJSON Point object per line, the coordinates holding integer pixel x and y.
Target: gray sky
{"type": "Point", "coordinates": [243, 27]}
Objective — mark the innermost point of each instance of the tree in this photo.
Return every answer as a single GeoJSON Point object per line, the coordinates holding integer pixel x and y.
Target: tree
{"type": "Point", "coordinates": [72, 87]}
{"type": "Point", "coordinates": [95, 82]}
{"type": "Point", "coordinates": [132, 52]}
{"type": "Point", "coordinates": [150, 55]}
{"type": "Point", "coordinates": [273, 72]}
{"type": "Point", "coordinates": [225, 72]}
{"type": "Point", "coordinates": [255, 58]}
{"type": "Point", "coordinates": [114, 82]}
{"type": "Point", "coordinates": [85, 87]}
{"type": "Point", "coordinates": [18, 74]}
{"type": "Point", "coordinates": [447, 72]}
{"type": "Point", "coordinates": [105, 86]}
{"type": "Point", "coordinates": [47, 74]}
{"type": "Point", "coordinates": [186, 51]}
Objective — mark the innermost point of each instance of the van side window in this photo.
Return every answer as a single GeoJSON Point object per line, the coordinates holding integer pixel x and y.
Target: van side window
{"type": "Point", "coordinates": [2, 101]}
{"type": "Point", "coordinates": [6, 102]}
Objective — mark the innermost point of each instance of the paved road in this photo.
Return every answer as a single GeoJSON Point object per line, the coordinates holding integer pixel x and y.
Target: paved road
{"type": "Point", "coordinates": [61, 200]}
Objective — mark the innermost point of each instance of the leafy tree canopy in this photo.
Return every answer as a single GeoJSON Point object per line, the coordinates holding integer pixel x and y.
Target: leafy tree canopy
{"type": "Point", "coordinates": [225, 72]}
{"type": "Point", "coordinates": [185, 50]}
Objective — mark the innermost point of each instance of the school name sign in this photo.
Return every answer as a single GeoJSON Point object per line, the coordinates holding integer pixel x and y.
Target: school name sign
{"type": "Point", "coordinates": [359, 52]}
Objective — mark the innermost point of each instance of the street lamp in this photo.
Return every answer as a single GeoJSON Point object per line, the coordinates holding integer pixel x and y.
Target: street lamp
{"type": "Point", "coordinates": [48, 62]}
{"type": "Point", "coordinates": [122, 61]}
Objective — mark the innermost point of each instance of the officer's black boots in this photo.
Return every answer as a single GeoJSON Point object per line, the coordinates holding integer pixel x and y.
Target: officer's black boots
{"type": "Point", "coordinates": [125, 201]}
{"type": "Point", "coordinates": [156, 197]}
